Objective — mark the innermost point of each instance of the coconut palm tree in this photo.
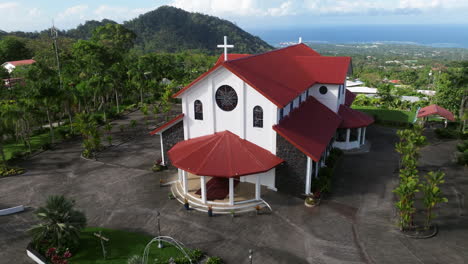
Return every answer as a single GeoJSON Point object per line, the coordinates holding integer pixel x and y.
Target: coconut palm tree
{"type": "Point", "coordinates": [60, 224]}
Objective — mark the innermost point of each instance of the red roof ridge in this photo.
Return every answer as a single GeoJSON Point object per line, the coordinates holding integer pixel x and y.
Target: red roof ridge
{"type": "Point", "coordinates": [276, 50]}
{"type": "Point", "coordinates": [167, 124]}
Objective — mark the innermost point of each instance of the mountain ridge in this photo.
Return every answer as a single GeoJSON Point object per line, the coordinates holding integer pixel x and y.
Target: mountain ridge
{"type": "Point", "coordinates": [170, 29]}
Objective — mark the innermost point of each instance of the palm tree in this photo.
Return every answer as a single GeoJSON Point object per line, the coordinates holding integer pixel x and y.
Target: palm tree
{"type": "Point", "coordinates": [60, 224]}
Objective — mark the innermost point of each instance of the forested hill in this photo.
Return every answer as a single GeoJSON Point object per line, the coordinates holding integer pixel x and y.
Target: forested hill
{"type": "Point", "coordinates": [170, 29]}
{"type": "Point", "coordinates": [85, 31]}
{"type": "Point", "coordinates": [173, 29]}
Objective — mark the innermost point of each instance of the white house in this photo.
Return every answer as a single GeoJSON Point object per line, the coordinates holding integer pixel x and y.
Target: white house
{"type": "Point", "coordinates": [11, 65]}
{"type": "Point", "coordinates": [250, 113]}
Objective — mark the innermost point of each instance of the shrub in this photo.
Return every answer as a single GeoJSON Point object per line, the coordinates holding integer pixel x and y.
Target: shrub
{"type": "Point", "coordinates": [324, 181]}
{"type": "Point", "coordinates": [59, 224]}
{"type": "Point", "coordinates": [47, 146]}
{"type": "Point", "coordinates": [214, 260]}
{"type": "Point", "coordinates": [7, 171]}
{"type": "Point", "coordinates": [463, 146]}
{"type": "Point", "coordinates": [444, 133]}
{"type": "Point", "coordinates": [463, 158]}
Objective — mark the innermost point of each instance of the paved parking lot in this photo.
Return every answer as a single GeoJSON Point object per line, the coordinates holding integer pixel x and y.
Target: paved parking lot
{"type": "Point", "coordinates": [355, 225]}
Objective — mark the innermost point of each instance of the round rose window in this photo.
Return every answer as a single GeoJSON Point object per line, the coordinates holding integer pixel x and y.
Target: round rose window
{"type": "Point", "coordinates": [226, 98]}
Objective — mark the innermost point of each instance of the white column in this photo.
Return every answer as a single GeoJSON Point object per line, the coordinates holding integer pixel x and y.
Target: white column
{"type": "Point", "coordinates": [203, 188]}
{"type": "Point", "coordinates": [257, 188]}
{"type": "Point", "coordinates": [308, 176]}
{"type": "Point", "coordinates": [163, 162]}
{"type": "Point", "coordinates": [185, 182]}
{"type": "Point", "coordinates": [231, 191]}
{"type": "Point", "coordinates": [359, 135]}
{"type": "Point", "coordinates": [348, 132]}
{"type": "Point", "coordinates": [364, 136]}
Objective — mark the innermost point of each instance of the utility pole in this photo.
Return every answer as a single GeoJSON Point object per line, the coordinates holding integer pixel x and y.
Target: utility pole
{"type": "Point", "coordinates": [54, 35]}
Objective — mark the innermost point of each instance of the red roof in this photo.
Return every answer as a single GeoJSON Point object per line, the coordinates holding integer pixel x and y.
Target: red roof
{"type": "Point", "coordinates": [222, 154]}
{"type": "Point", "coordinates": [349, 98]}
{"type": "Point", "coordinates": [353, 118]}
{"type": "Point", "coordinates": [21, 62]}
{"type": "Point", "coordinates": [167, 125]}
{"type": "Point", "coordinates": [310, 127]}
{"type": "Point", "coordinates": [436, 110]}
{"type": "Point", "coordinates": [231, 56]}
{"type": "Point", "coordinates": [395, 81]}
{"type": "Point", "coordinates": [281, 75]}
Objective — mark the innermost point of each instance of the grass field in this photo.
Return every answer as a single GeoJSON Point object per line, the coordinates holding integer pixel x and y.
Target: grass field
{"type": "Point", "coordinates": [387, 114]}
{"type": "Point", "coordinates": [36, 143]}
{"type": "Point", "coordinates": [120, 247]}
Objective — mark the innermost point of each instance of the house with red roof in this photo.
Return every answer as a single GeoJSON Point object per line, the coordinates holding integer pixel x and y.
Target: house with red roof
{"type": "Point", "coordinates": [265, 121]}
{"type": "Point", "coordinates": [11, 65]}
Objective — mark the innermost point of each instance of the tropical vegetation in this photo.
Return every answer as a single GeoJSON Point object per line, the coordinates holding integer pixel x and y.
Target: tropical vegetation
{"type": "Point", "coordinates": [59, 226]}
{"type": "Point", "coordinates": [410, 184]}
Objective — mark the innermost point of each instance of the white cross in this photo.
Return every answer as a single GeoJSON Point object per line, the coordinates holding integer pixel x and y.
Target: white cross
{"type": "Point", "coordinates": [300, 40]}
{"type": "Point", "coordinates": [225, 46]}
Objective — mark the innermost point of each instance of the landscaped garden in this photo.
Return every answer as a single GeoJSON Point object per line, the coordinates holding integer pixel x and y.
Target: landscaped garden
{"type": "Point", "coordinates": [61, 237]}
{"type": "Point", "coordinates": [123, 245]}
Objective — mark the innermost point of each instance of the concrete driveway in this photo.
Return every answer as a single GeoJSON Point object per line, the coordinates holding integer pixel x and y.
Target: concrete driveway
{"type": "Point", "coordinates": [354, 225]}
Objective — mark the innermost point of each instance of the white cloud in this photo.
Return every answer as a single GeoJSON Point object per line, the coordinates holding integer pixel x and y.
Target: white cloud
{"type": "Point", "coordinates": [236, 8]}
{"type": "Point", "coordinates": [285, 9]}
{"type": "Point", "coordinates": [16, 16]}
{"type": "Point", "coordinates": [119, 12]}
{"type": "Point", "coordinates": [78, 11]}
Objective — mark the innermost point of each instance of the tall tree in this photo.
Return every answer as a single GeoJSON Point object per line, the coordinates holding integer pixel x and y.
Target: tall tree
{"type": "Point", "coordinates": [13, 48]}
{"type": "Point", "coordinates": [42, 85]}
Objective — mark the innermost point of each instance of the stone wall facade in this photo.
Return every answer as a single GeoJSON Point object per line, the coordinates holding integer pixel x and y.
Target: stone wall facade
{"type": "Point", "coordinates": [291, 175]}
{"type": "Point", "coordinates": [172, 136]}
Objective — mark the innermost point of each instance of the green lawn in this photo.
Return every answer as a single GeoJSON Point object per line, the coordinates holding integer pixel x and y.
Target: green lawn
{"type": "Point", "coordinates": [387, 114]}
{"type": "Point", "coordinates": [36, 144]}
{"type": "Point", "coordinates": [121, 246]}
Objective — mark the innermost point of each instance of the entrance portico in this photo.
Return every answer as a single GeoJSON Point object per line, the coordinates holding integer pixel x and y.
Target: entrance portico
{"type": "Point", "coordinates": [221, 171]}
{"type": "Point", "coordinates": [352, 132]}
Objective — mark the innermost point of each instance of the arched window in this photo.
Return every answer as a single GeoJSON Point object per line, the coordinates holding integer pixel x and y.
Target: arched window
{"type": "Point", "coordinates": [258, 116]}
{"type": "Point", "coordinates": [198, 106]}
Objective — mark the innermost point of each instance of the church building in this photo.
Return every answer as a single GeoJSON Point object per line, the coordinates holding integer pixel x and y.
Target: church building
{"type": "Point", "coordinates": [264, 121]}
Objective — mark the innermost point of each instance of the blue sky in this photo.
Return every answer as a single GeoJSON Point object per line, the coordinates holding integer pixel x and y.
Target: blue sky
{"type": "Point", "coordinates": [30, 15]}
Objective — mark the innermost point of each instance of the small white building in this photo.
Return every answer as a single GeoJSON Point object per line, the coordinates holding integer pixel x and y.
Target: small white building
{"type": "Point", "coordinates": [11, 65]}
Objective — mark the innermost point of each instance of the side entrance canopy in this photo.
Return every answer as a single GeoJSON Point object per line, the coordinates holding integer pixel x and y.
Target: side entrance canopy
{"type": "Point", "coordinates": [435, 110]}
{"type": "Point", "coordinates": [222, 154]}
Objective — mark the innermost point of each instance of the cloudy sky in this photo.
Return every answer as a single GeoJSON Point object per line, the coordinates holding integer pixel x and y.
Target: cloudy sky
{"type": "Point", "coordinates": [30, 15]}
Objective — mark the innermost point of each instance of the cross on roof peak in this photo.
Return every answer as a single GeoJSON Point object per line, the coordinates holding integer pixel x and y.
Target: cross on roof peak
{"type": "Point", "coordinates": [225, 46]}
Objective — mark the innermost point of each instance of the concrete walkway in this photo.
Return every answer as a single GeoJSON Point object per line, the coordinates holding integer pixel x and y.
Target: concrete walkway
{"type": "Point", "coordinates": [355, 225]}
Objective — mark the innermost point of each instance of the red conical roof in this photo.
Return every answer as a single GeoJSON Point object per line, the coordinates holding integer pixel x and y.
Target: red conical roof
{"type": "Point", "coordinates": [436, 110]}
{"type": "Point", "coordinates": [222, 154]}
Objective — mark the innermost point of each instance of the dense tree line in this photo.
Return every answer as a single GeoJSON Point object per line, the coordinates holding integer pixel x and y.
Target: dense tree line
{"type": "Point", "coordinates": [97, 77]}
{"type": "Point", "coordinates": [169, 29]}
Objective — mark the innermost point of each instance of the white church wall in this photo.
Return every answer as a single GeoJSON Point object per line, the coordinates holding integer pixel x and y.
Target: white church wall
{"type": "Point", "coordinates": [266, 179]}
{"type": "Point", "coordinates": [343, 97]}
{"type": "Point", "coordinates": [192, 127]}
{"type": "Point", "coordinates": [239, 121]}
{"type": "Point", "coordinates": [330, 99]}
{"type": "Point", "coordinates": [265, 136]}
{"type": "Point", "coordinates": [229, 120]}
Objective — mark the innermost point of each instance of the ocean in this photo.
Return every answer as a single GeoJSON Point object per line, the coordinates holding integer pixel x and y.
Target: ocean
{"type": "Point", "coordinates": [450, 36]}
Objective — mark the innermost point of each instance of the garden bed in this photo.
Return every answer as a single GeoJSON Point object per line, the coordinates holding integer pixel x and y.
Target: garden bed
{"type": "Point", "coordinates": [421, 232]}
{"type": "Point", "coordinates": [121, 246]}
